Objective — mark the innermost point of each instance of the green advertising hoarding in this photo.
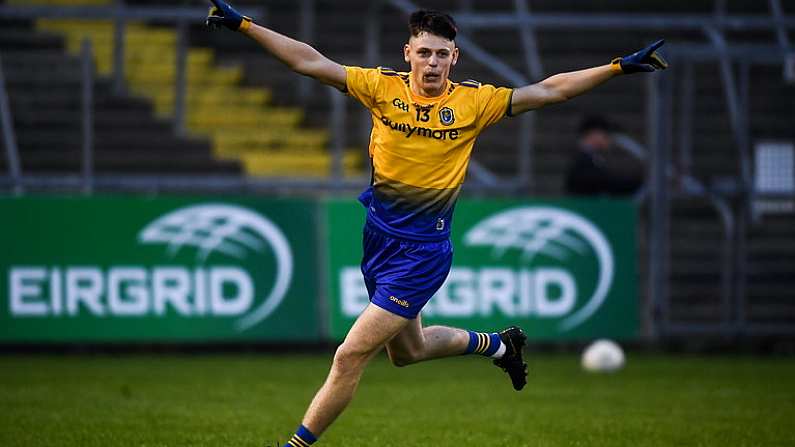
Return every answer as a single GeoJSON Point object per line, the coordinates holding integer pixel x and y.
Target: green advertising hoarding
{"type": "Point", "coordinates": [563, 269]}
{"type": "Point", "coordinates": [207, 269]}
{"type": "Point", "coordinates": [159, 269]}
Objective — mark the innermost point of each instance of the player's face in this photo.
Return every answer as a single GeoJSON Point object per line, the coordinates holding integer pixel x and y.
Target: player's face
{"type": "Point", "coordinates": [431, 58]}
{"type": "Point", "coordinates": [597, 139]}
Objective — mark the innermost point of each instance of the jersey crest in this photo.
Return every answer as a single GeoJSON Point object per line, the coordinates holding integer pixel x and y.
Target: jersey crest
{"type": "Point", "coordinates": [446, 116]}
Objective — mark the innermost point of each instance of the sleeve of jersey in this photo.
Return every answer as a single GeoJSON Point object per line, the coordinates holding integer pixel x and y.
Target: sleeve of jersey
{"type": "Point", "coordinates": [494, 103]}
{"type": "Point", "coordinates": [362, 84]}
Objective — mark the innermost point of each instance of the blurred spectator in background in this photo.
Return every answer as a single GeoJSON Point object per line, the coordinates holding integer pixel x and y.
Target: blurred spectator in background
{"type": "Point", "coordinates": [597, 168]}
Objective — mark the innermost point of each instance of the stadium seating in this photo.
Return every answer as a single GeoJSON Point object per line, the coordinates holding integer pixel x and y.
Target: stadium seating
{"type": "Point", "coordinates": [264, 139]}
{"type": "Point", "coordinates": [238, 120]}
{"type": "Point", "coordinates": [44, 84]}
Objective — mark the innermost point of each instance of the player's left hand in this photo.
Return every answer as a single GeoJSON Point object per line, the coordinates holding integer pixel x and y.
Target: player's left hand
{"type": "Point", "coordinates": [646, 60]}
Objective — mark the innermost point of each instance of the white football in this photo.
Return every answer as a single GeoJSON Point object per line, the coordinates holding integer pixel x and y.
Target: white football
{"type": "Point", "coordinates": [603, 356]}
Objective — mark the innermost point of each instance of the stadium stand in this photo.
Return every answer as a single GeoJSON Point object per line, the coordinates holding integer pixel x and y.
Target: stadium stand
{"type": "Point", "coordinates": [44, 85]}
{"type": "Point", "coordinates": [241, 126]}
{"type": "Point", "coordinates": [285, 133]}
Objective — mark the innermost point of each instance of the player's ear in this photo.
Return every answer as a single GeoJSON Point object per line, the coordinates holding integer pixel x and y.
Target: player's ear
{"type": "Point", "coordinates": [455, 55]}
{"type": "Point", "coordinates": [406, 53]}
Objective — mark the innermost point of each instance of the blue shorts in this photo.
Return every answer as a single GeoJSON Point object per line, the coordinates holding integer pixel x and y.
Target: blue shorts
{"type": "Point", "coordinates": [400, 275]}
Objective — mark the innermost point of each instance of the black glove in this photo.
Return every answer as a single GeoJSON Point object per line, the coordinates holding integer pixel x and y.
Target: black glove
{"type": "Point", "coordinates": [224, 14]}
{"type": "Point", "coordinates": [646, 59]}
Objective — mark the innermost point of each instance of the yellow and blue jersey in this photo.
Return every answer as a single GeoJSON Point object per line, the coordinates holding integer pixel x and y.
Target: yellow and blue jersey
{"type": "Point", "coordinates": [420, 148]}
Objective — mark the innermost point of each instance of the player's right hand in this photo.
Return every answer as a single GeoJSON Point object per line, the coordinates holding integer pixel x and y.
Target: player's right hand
{"type": "Point", "coordinates": [223, 13]}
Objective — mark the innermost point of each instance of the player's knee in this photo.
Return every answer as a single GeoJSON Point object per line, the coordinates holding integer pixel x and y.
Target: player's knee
{"type": "Point", "coordinates": [349, 359]}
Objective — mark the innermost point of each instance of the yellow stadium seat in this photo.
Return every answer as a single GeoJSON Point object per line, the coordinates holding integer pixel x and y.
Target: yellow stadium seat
{"type": "Point", "coordinates": [239, 120]}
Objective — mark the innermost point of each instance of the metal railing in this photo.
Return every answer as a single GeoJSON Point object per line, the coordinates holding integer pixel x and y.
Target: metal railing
{"type": "Point", "coordinates": [777, 11]}
{"type": "Point", "coordinates": [656, 315]}
{"type": "Point", "coordinates": [732, 206]}
{"type": "Point", "coordinates": [87, 103]}
{"type": "Point", "coordinates": [623, 21]}
{"type": "Point", "coordinates": [9, 137]}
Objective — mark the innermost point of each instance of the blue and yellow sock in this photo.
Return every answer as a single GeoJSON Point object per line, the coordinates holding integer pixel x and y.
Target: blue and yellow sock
{"type": "Point", "coordinates": [485, 343]}
{"type": "Point", "coordinates": [302, 438]}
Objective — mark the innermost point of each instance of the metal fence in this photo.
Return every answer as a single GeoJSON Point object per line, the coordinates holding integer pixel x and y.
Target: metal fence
{"type": "Point", "coordinates": [731, 203]}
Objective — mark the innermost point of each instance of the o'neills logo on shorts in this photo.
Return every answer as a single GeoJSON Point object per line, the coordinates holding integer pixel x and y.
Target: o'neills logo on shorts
{"type": "Point", "coordinates": [402, 303]}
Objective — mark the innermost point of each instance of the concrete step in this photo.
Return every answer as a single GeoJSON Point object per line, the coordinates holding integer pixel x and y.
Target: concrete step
{"type": "Point", "coordinates": [117, 119]}
{"type": "Point", "coordinates": [109, 139]}
{"type": "Point", "coordinates": [131, 161]}
{"type": "Point", "coordinates": [15, 39]}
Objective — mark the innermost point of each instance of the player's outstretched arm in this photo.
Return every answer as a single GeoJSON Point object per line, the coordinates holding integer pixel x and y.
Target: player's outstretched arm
{"type": "Point", "coordinates": [298, 56]}
{"type": "Point", "coordinates": [564, 86]}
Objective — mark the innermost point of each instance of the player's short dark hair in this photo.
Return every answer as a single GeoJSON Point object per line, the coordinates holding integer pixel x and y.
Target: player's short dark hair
{"type": "Point", "coordinates": [595, 122]}
{"type": "Point", "coordinates": [433, 22]}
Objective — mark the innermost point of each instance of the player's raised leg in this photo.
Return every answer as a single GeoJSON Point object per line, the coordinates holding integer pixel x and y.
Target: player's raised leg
{"type": "Point", "coordinates": [416, 344]}
{"type": "Point", "coordinates": [374, 327]}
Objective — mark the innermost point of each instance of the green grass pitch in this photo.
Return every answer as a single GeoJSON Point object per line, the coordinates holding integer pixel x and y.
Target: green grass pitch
{"type": "Point", "coordinates": [255, 400]}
